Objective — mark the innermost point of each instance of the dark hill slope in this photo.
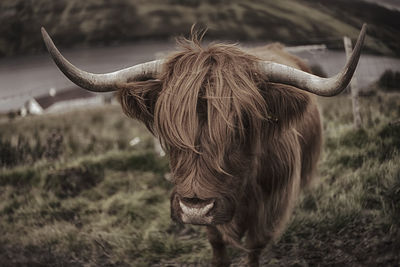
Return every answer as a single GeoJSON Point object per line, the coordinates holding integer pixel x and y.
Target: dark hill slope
{"type": "Point", "coordinates": [76, 22]}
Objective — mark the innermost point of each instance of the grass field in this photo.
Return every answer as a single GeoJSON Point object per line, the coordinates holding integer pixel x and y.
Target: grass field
{"type": "Point", "coordinates": [73, 192]}
{"type": "Point", "coordinates": [99, 22]}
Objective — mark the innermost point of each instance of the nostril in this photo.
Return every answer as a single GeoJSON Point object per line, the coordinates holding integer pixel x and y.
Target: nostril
{"type": "Point", "coordinates": [196, 201]}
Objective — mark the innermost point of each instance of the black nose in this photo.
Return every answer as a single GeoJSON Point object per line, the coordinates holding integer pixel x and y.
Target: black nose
{"type": "Point", "coordinates": [194, 201]}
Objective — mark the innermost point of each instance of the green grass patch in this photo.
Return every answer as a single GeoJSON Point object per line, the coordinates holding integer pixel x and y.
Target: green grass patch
{"type": "Point", "coordinates": [107, 204]}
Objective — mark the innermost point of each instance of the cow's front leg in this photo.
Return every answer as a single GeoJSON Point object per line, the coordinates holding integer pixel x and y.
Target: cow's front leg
{"type": "Point", "coordinates": [220, 257]}
{"type": "Point", "coordinates": [255, 246]}
{"type": "Point", "coordinates": [253, 257]}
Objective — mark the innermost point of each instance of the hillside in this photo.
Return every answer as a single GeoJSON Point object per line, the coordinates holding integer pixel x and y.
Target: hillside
{"type": "Point", "coordinates": [93, 22]}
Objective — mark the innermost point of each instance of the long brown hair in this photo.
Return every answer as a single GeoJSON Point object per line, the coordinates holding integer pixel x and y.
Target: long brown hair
{"type": "Point", "coordinates": [209, 101]}
{"type": "Point", "coordinates": [216, 87]}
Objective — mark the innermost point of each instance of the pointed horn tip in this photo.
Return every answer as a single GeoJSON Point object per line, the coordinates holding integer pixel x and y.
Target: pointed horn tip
{"type": "Point", "coordinates": [364, 29]}
{"type": "Point", "coordinates": [362, 34]}
{"type": "Point", "coordinates": [46, 38]}
{"type": "Point", "coordinates": [44, 32]}
{"type": "Point", "coordinates": [364, 26]}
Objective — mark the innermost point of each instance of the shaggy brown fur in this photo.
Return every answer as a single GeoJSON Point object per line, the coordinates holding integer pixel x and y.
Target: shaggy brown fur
{"type": "Point", "coordinates": [231, 136]}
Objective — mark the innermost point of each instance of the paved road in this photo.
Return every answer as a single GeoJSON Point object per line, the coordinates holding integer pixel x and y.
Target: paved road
{"type": "Point", "coordinates": [24, 77]}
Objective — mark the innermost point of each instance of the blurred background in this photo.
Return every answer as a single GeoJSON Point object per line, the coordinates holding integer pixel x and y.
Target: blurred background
{"type": "Point", "coordinates": [82, 185]}
{"type": "Point", "coordinates": [103, 23]}
{"type": "Point", "coordinates": [102, 36]}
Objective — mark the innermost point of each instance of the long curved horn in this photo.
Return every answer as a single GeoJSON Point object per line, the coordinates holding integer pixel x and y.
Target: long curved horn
{"type": "Point", "coordinates": [314, 84]}
{"type": "Point", "coordinates": [98, 82]}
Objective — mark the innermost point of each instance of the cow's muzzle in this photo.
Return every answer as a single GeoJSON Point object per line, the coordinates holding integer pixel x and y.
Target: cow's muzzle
{"type": "Point", "coordinates": [196, 211]}
{"type": "Point", "coordinates": [209, 211]}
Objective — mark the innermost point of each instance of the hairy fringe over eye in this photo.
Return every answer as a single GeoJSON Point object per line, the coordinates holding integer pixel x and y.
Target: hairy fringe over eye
{"type": "Point", "coordinates": [214, 88]}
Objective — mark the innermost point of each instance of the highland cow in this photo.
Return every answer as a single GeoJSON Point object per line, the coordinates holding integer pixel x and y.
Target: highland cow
{"type": "Point", "coordinates": [242, 130]}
